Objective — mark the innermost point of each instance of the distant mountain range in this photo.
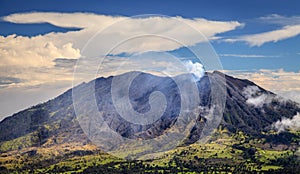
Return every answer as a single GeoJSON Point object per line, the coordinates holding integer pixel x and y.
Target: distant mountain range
{"type": "Point", "coordinates": [249, 108]}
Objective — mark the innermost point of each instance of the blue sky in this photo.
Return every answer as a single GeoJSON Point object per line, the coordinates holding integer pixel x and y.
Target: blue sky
{"type": "Point", "coordinates": [258, 40]}
{"type": "Point", "coordinates": [282, 54]}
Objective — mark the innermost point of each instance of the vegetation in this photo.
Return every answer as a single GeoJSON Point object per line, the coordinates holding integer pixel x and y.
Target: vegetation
{"type": "Point", "coordinates": [224, 153]}
{"type": "Point", "coordinates": [47, 138]}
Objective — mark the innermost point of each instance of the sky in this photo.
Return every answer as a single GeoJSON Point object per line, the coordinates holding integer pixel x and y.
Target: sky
{"type": "Point", "coordinates": [41, 41]}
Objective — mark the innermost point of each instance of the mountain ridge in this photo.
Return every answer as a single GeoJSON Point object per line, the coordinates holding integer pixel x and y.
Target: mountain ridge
{"type": "Point", "coordinates": [57, 117]}
{"type": "Point", "coordinates": [49, 137]}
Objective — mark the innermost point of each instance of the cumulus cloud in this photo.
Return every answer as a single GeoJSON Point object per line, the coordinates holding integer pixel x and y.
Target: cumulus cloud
{"type": "Point", "coordinates": [270, 36]}
{"type": "Point", "coordinates": [195, 68]}
{"type": "Point", "coordinates": [32, 60]}
{"type": "Point", "coordinates": [255, 97]}
{"type": "Point", "coordinates": [20, 51]}
{"type": "Point", "coordinates": [286, 123]}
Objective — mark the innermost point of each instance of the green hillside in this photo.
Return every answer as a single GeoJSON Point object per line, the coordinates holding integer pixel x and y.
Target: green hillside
{"type": "Point", "coordinates": [225, 153]}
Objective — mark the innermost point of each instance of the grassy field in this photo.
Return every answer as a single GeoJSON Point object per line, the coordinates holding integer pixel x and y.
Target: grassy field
{"type": "Point", "coordinates": [224, 153]}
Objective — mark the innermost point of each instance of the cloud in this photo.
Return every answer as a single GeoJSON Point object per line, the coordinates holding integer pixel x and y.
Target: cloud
{"type": "Point", "coordinates": [195, 68]}
{"type": "Point", "coordinates": [280, 19]}
{"type": "Point", "coordinates": [19, 98]}
{"type": "Point", "coordinates": [37, 62]}
{"type": "Point", "coordinates": [31, 58]}
{"type": "Point", "coordinates": [246, 55]}
{"type": "Point", "coordinates": [284, 83]}
{"type": "Point", "coordinates": [290, 27]}
{"type": "Point", "coordinates": [292, 95]}
{"type": "Point", "coordinates": [65, 63]}
{"type": "Point", "coordinates": [9, 80]}
{"type": "Point", "coordinates": [177, 28]}
{"type": "Point", "coordinates": [286, 123]}
{"type": "Point", "coordinates": [20, 51]}
{"type": "Point", "coordinates": [255, 97]}
{"type": "Point", "coordinates": [157, 63]}
{"type": "Point", "coordinates": [79, 20]}
{"type": "Point", "coordinates": [259, 39]}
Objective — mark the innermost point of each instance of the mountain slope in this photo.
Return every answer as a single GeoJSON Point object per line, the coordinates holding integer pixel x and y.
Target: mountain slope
{"type": "Point", "coordinates": [255, 114]}
{"type": "Point", "coordinates": [54, 122]}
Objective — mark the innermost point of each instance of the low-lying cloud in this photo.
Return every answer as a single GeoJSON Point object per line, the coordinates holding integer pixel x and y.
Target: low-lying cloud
{"type": "Point", "coordinates": [288, 124]}
{"type": "Point", "coordinates": [283, 83]}
{"type": "Point", "coordinates": [255, 97]}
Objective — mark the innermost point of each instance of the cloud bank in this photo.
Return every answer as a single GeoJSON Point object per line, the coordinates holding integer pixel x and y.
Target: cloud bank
{"type": "Point", "coordinates": [284, 83]}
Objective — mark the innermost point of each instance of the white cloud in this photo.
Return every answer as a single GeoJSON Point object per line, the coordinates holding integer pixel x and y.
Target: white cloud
{"type": "Point", "coordinates": [173, 27]}
{"type": "Point", "coordinates": [280, 20]}
{"type": "Point", "coordinates": [270, 36]}
{"type": "Point", "coordinates": [37, 51]}
{"type": "Point", "coordinates": [290, 27]}
{"type": "Point", "coordinates": [32, 58]}
{"type": "Point", "coordinates": [246, 55]}
{"type": "Point", "coordinates": [286, 123]}
{"type": "Point", "coordinates": [79, 20]}
{"type": "Point", "coordinates": [292, 95]}
{"type": "Point", "coordinates": [255, 97]}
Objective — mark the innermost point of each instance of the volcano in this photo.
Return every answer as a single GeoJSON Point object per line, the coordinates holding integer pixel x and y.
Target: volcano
{"type": "Point", "coordinates": [248, 108]}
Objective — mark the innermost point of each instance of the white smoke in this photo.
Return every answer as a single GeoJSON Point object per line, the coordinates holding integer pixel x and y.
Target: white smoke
{"type": "Point", "coordinates": [255, 97]}
{"type": "Point", "coordinates": [287, 123]}
{"type": "Point", "coordinates": [195, 68]}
